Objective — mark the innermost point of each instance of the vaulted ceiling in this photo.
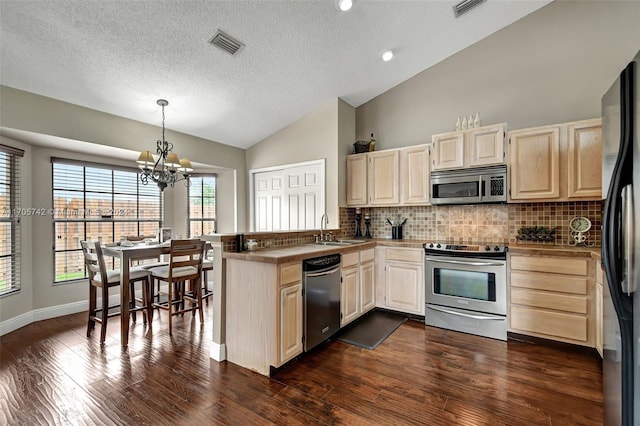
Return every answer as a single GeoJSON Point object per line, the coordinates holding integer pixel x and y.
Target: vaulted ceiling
{"type": "Point", "coordinates": [120, 56]}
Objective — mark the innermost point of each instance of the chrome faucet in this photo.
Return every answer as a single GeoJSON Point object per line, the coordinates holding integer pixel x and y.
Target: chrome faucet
{"type": "Point", "coordinates": [324, 221]}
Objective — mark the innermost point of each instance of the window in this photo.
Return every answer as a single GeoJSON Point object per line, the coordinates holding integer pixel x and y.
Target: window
{"type": "Point", "coordinates": [10, 219]}
{"type": "Point", "coordinates": [98, 202]}
{"type": "Point", "coordinates": [202, 205]}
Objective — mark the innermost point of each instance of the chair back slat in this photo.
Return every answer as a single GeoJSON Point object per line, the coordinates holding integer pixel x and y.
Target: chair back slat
{"type": "Point", "coordinates": [94, 261]}
{"type": "Point", "coordinates": [186, 253]}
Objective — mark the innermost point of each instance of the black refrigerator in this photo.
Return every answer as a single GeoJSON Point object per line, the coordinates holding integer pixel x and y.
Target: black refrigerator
{"type": "Point", "coordinates": [620, 248]}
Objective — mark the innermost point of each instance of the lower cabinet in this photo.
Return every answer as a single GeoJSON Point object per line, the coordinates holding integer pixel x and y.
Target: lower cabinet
{"type": "Point", "coordinates": [400, 279]}
{"type": "Point", "coordinates": [290, 310]}
{"type": "Point", "coordinates": [552, 297]}
{"type": "Point", "coordinates": [357, 291]}
{"type": "Point", "coordinates": [599, 322]}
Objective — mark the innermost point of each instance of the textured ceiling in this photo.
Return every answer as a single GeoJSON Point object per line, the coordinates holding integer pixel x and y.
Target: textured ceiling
{"type": "Point", "coordinates": [120, 56]}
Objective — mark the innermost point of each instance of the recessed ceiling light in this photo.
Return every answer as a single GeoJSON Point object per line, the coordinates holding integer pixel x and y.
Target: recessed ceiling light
{"type": "Point", "coordinates": [387, 55]}
{"type": "Point", "coordinates": [344, 5]}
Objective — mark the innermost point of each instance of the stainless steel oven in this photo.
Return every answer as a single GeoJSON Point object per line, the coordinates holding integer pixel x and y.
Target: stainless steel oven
{"type": "Point", "coordinates": [466, 288]}
{"type": "Point", "coordinates": [469, 186]}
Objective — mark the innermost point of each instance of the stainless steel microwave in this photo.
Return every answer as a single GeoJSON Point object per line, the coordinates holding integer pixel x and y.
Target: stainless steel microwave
{"type": "Point", "coordinates": [469, 186]}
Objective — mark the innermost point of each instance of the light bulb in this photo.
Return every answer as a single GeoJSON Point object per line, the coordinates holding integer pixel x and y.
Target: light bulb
{"type": "Point", "coordinates": [344, 5]}
{"type": "Point", "coordinates": [387, 55]}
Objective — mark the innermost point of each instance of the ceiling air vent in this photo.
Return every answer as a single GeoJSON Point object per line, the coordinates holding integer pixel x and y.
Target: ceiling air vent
{"type": "Point", "coordinates": [465, 5]}
{"type": "Point", "coordinates": [227, 43]}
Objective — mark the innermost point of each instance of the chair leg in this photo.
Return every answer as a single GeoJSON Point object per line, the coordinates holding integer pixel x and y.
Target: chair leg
{"type": "Point", "coordinates": [199, 297]}
{"type": "Point", "coordinates": [170, 297]}
{"type": "Point", "coordinates": [148, 300]}
{"type": "Point", "coordinates": [91, 323]}
{"type": "Point", "coordinates": [105, 314]}
{"type": "Point", "coordinates": [132, 301]}
{"type": "Point", "coordinates": [205, 286]}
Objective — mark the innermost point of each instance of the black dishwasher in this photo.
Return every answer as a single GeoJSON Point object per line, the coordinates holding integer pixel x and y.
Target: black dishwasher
{"type": "Point", "coordinates": [321, 299]}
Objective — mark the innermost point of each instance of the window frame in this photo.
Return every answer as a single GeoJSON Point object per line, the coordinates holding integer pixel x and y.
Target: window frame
{"type": "Point", "coordinates": [12, 214]}
{"type": "Point", "coordinates": [85, 218]}
{"type": "Point", "coordinates": [202, 219]}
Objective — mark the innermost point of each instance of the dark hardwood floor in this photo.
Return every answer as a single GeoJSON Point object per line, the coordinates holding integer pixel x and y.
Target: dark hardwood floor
{"type": "Point", "coordinates": [50, 373]}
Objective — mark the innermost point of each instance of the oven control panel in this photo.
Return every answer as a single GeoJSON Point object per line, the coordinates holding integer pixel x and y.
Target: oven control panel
{"type": "Point", "coordinates": [462, 250]}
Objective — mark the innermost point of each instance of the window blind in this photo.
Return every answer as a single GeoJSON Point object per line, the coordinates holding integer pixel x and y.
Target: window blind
{"type": "Point", "coordinates": [98, 202]}
{"type": "Point", "coordinates": [10, 236]}
{"type": "Point", "coordinates": [202, 205]}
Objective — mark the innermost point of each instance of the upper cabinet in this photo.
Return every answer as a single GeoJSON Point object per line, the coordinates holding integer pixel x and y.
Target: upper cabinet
{"type": "Point", "coordinates": [556, 163]}
{"type": "Point", "coordinates": [414, 175]}
{"type": "Point", "coordinates": [357, 179]}
{"type": "Point", "coordinates": [383, 179]}
{"type": "Point", "coordinates": [482, 146]}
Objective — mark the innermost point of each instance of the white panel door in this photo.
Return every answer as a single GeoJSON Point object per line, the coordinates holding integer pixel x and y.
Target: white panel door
{"type": "Point", "coordinates": [269, 191]}
{"type": "Point", "coordinates": [289, 199]}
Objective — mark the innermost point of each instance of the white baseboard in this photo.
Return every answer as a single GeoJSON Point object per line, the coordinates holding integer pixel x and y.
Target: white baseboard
{"type": "Point", "coordinates": [218, 351]}
{"type": "Point", "coordinates": [41, 314]}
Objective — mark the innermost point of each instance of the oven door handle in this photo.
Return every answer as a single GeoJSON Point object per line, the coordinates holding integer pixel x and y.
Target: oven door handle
{"type": "Point", "coordinates": [460, 262]}
{"type": "Point", "coordinates": [474, 316]}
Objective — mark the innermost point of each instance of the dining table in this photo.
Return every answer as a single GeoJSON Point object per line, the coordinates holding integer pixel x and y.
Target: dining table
{"type": "Point", "coordinates": [138, 250]}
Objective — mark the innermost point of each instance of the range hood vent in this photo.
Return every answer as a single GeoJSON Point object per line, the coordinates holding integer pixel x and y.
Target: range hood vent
{"type": "Point", "coordinates": [465, 5]}
{"type": "Point", "coordinates": [227, 43]}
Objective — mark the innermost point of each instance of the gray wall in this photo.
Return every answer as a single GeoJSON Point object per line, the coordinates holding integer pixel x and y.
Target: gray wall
{"type": "Point", "coordinates": [552, 66]}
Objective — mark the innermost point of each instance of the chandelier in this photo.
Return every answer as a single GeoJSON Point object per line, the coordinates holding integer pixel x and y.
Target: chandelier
{"type": "Point", "coordinates": [165, 168]}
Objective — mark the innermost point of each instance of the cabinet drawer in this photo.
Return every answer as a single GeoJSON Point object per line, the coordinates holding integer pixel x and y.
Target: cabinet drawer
{"type": "Point", "coordinates": [557, 265]}
{"type": "Point", "coordinates": [541, 299]}
{"type": "Point", "coordinates": [290, 274]}
{"type": "Point", "coordinates": [566, 326]}
{"type": "Point", "coordinates": [549, 282]}
{"type": "Point", "coordinates": [350, 259]}
{"type": "Point", "coordinates": [366, 255]}
{"type": "Point", "coordinates": [405, 254]}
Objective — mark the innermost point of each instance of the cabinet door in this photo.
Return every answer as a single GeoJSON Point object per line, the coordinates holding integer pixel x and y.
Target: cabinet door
{"type": "Point", "coordinates": [598, 321]}
{"type": "Point", "coordinates": [383, 178]}
{"type": "Point", "coordinates": [357, 180]}
{"type": "Point", "coordinates": [367, 287]}
{"type": "Point", "coordinates": [486, 146]}
{"type": "Point", "coordinates": [290, 322]}
{"type": "Point", "coordinates": [405, 286]}
{"type": "Point", "coordinates": [349, 295]}
{"type": "Point", "coordinates": [414, 175]}
{"type": "Point", "coordinates": [448, 151]}
{"type": "Point", "coordinates": [584, 153]}
{"type": "Point", "coordinates": [534, 163]}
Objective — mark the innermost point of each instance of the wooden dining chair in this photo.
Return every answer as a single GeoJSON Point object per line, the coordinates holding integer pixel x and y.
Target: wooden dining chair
{"type": "Point", "coordinates": [103, 279]}
{"type": "Point", "coordinates": [185, 265]}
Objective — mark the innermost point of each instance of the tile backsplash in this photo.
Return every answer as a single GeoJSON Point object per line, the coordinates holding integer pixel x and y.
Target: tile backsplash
{"type": "Point", "coordinates": [498, 223]}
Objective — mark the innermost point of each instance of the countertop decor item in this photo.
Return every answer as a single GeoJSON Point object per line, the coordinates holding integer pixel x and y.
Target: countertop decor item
{"type": "Point", "coordinates": [168, 168]}
{"type": "Point", "coordinates": [361, 146]}
{"type": "Point", "coordinates": [536, 233]}
{"type": "Point", "coordinates": [579, 228]}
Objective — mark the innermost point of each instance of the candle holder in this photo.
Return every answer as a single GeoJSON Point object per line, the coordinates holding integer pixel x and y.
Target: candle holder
{"type": "Point", "coordinates": [367, 225]}
{"type": "Point", "coordinates": [358, 233]}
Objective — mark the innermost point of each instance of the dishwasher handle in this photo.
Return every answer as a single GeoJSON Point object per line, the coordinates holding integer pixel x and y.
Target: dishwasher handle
{"type": "Point", "coordinates": [321, 273]}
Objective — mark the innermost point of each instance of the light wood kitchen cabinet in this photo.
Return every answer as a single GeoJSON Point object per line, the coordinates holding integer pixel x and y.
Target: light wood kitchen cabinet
{"type": "Point", "coordinates": [561, 162]}
{"type": "Point", "coordinates": [357, 179]}
{"type": "Point", "coordinates": [357, 294]}
{"type": "Point", "coordinates": [599, 313]}
{"type": "Point", "coordinates": [373, 178]}
{"type": "Point", "coordinates": [290, 322]}
{"type": "Point", "coordinates": [414, 175]}
{"type": "Point", "coordinates": [264, 313]}
{"type": "Point", "coordinates": [291, 317]}
{"type": "Point", "coordinates": [552, 297]}
{"type": "Point", "coordinates": [367, 280]}
{"type": "Point", "coordinates": [482, 146]}
{"type": "Point", "coordinates": [383, 178]}
{"type": "Point", "coordinates": [534, 158]}
{"type": "Point", "coordinates": [350, 289]}
{"type": "Point", "coordinates": [400, 279]}
{"type": "Point", "coordinates": [584, 155]}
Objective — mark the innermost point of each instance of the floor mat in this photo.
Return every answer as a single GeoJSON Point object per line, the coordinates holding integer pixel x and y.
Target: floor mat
{"type": "Point", "coordinates": [371, 330]}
